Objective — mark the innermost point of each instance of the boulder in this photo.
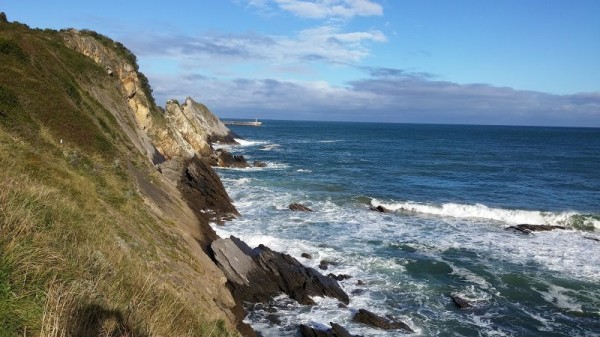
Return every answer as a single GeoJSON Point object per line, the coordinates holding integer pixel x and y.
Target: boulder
{"type": "Point", "coordinates": [376, 321]}
{"type": "Point", "coordinates": [380, 209]}
{"type": "Point", "coordinates": [258, 163]}
{"type": "Point", "coordinates": [257, 275]}
{"type": "Point", "coordinates": [296, 207]}
{"type": "Point", "coordinates": [528, 229]}
{"type": "Point", "coordinates": [336, 330]}
{"type": "Point", "coordinates": [324, 264]}
{"type": "Point", "coordinates": [340, 331]}
{"type": "Point", "coordinates": [222, 158]}
{"type": "Point", "coordinates": [306, 256]}
{"type": "Point", "coordinates": [339, 277]}
{"type": "Point", "coordinates": [461, 302]}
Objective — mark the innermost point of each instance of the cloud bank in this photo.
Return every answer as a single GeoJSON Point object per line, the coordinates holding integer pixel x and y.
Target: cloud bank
{"type": "Point", "coordinates": [321, 9]}
{"type": "Point", "coordinates": [406, 99]}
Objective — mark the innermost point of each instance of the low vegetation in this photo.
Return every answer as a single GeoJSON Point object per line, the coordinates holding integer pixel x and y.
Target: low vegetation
{"type": "Point", "coordinates": [80, 252]}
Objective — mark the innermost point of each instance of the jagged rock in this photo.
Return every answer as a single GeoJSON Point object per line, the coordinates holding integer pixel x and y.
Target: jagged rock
{"type": "Point", "coordinates": [256, 275]}
{"type": "Point", "coordinates": [306, 331]}
{"type": "Point", "coordinates": [259, 164]}
{"type": "Point", "coordinates": [528, 229]}
{"type": "Point", "coordinates": [340, 331]}
{"type": "Point", "coordinates": [203, 190]}
{"type": "Point", "coordinates": [324, 264]}
{"type": "Point", "coordinates": [380, 209]}
{"type": "Point", "coordinates": [339, 277]}
{"type": "Point", "coordinates": [296, 207]}
{"type": "Point", "coordinates": [460, 301]}
{"type": "Point", "coordinates": [336, 330]}
{"type": "Point", "coordinates": [306, 256]}
{"type": "Point", "coordinates": [222, 158]}
{"type": "Point", "coordinates": [374, 320]}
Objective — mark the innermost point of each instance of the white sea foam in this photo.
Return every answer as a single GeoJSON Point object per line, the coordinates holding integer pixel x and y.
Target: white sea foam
{"type": "Point", "coordinates": [248, 142]}
{"type": "Point", "coordinates": [270, 147]}
{"type": "Point", "coordinates": [559, 297]}
{"type": "Point", "coordinates": [330, 141]}
{"type": "Point", "coordinates": [304, 171]}
{"type": "Point", "coordinates": [480, 211]}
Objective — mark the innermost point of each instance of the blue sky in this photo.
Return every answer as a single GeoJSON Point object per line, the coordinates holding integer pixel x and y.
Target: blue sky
{"type": "Point", "coordinates": [527, 62]}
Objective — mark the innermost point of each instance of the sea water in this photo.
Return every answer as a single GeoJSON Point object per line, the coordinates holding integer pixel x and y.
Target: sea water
{"type": "Point", "coordinates": [453, 190]}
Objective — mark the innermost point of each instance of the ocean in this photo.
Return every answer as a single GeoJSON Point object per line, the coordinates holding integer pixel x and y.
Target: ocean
{"type": "Point", "coordinates": [453, 190]}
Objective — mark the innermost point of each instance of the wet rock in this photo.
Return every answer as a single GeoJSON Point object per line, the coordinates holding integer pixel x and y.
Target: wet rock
{"type": "Point", "coordinates": [461, 302]}
{"type": "Point", "coordinates": [307, 331]}
{"type": "Point", "coordinates": [592, 238]}
{"type": "Point", "coordinates": [385, 323]}
{"type": "Point", "coordinates": [324, 264]}
{"type": "Point", "coordinates": [223, 158]}
{"type": "Point", "coordinates": [306, 256]}
{"type": "Point", "coordinates": [528, 229]}
{"type": "Point", "coordinates": [256, 275]}
{"type": "Point", "coordinates": [299, 208]}
{"type": "Point", "coordinates": [336, 330]}
{"type": "Point", "coordinates": [380, 209]}
{"type": "Point", "coordinates": [340, 331]}
{"type": "Point", "coordinates": [360, 283]}
{"type": "Point", "coordinates": [339, 277]}
{"type": "Point", "coordinates": [258, 163]}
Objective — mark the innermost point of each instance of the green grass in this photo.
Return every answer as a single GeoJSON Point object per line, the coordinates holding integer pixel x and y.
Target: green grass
{"type": "Point", "coordinates": [81, 253]}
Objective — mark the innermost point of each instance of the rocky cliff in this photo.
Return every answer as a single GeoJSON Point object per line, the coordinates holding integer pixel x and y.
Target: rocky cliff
{"type": "Point", "coordinates": [96, 239]}
{"type": "Point", "coordinates": [182, 131]}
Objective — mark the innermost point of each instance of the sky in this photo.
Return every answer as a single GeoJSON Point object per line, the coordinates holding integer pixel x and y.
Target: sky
{"type": "Point", "coordinates": [525, 62]}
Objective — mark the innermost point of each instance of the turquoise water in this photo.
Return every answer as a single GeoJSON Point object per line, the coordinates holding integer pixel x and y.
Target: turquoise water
{"type": "Point", "coordinates": [453, 190]}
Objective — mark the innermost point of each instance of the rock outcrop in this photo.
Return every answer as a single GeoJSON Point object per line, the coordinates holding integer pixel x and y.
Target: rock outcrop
{"type": "Point", "coordinates": [366, 317]}
{"type": "Point", "coordinates": [336, 330]}
{"type": "Point", "coordinates": [181, 131]}
{"type": "Point", "coordinates": [528, 229]}
{"type": "Point", "coordinates": [461, 302]}
{"type": "Point", "coordinates": [257, 275]}
{"type": "Point", "coordinates": [223, 158]}
{"type": "Point", "coordinates": [296, 207]}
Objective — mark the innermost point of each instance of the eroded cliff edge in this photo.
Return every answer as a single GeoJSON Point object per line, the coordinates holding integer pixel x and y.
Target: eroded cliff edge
{"type": "Point", "coordinates": [106, 197]}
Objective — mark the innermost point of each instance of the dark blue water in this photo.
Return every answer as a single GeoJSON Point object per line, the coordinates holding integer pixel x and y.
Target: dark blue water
{"type": "Point", "coordinates": [453, 190]}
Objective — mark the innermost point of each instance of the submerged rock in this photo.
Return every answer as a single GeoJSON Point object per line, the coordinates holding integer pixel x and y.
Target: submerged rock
{"type": "Point", "coordinates": [299, 208]}
{"type": "Point", "coordinates": [380, 209]}
{"type": "Point", "coordinates": [256, 275]}
{"type": "Point", "coordinates": [374, 320]}
{"type": "Point", "coordinates": [258, 163]}
{"type": "Point", "coordinates": [528, 229]}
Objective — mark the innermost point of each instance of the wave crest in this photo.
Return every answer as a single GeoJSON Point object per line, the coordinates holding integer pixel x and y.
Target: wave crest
{"type": "Point", "coordinates": [509, 216]}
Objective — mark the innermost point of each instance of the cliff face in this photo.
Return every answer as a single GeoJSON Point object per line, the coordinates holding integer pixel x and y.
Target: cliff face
{"type": "Point", "coordinates": [183, 131]}
{"type": "Point", "coordinates": [94, 239]}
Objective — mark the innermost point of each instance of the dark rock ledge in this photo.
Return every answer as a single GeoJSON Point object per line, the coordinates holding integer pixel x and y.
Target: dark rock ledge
{"type": "Point", "coordinates": [257, 275]}
{"type": "Point", "coordinates": [528, 229]}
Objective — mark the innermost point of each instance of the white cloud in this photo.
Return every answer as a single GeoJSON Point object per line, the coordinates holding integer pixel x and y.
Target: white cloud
{"type": "Point", "coordinates": [322, 9]}
{"type": "Point", "coordinates": [399, 99]}
{"type": "Point", "coordinates": [327, 44]}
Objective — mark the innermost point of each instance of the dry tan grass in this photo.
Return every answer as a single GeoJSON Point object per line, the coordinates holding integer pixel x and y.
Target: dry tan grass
{"type": "Point", "coordinates": [80, 264]}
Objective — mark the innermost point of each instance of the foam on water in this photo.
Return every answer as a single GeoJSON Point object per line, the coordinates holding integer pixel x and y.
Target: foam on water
{"type": "Point", "coordinates": [411, 259]}
{"type": "Point", "coordinates": [248, 142]}
{"type": "Point", "coordinates": [480, 211]}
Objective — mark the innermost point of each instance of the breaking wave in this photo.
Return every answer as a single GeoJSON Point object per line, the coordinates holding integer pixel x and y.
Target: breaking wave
{"type": "Point", "coordinates": [509, 216]}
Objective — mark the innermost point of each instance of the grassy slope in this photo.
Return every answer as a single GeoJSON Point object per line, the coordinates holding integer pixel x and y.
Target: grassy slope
{"type": "Point", "coordinates": [80, 252]}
